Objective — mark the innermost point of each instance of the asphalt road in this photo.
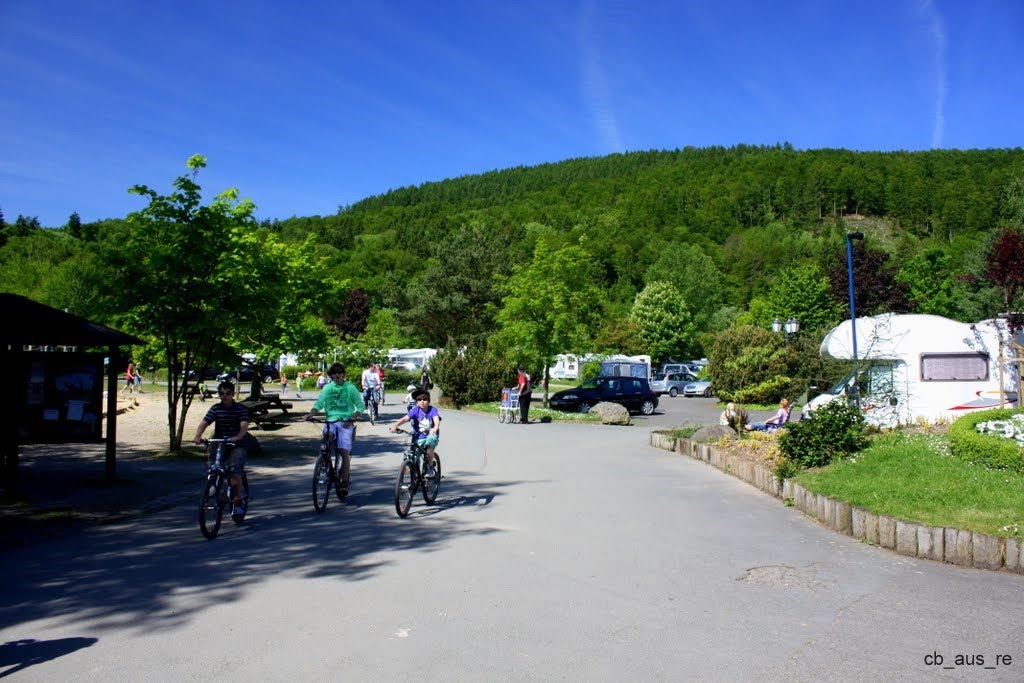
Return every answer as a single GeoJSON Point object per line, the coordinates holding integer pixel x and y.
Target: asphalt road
{"type": "Point", "coordinates": [555, 551]}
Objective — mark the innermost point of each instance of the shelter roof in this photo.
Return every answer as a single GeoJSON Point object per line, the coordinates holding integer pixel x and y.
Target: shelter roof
{"type": "Point", "coordinates": [32, 323]}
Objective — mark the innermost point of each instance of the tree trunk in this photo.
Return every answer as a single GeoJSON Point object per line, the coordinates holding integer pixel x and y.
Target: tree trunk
{"type": "Point", "coordinates": [544, 380]}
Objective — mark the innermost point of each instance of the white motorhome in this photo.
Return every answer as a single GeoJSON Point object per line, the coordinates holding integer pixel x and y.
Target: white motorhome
{"type": "Point", "coordinates": [922, 367]}
{"type": "Point", "coordinates": [566, 366]}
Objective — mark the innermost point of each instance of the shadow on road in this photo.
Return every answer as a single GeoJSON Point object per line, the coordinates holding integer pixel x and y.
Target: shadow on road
{"type": "Point", "coordinates": [21, 654]}
{"type": "Point", "coordinates": [155, 571]}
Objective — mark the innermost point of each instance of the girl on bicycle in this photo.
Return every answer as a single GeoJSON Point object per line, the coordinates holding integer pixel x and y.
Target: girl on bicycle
{"type": "Point", "coordinates": [341, 403]}
{"type": "Point", "coordinates": [426, 425]}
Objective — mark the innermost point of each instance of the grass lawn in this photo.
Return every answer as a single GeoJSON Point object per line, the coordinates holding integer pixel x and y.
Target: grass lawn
{"type": "Point", "coordinates": [537, 412]}
{"type": "Point", "coordinates": [913, 477]}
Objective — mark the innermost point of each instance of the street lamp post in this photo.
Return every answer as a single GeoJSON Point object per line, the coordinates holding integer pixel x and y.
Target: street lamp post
{"type": "Point", "coordinates": [850, 236]}
{"type": "Point", "coordinates": [790, 327]}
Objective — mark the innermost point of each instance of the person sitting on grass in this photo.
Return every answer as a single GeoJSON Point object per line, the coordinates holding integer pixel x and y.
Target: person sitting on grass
{"type": "Point", "coordinates": [780, 418]}
{"type": "Point", "coordinates": [728, 415]}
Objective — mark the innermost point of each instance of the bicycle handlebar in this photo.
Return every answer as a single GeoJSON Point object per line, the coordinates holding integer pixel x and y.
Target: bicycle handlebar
{"type": "Point", "coordinates": [325, 421]}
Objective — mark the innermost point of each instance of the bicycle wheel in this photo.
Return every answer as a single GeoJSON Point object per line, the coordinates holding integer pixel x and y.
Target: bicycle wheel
{"type": "Point", "coordinates": [210, 509]}
{"type": "Point", "coordinates": [405, 488]}
{"type": "Point", "coordinates": [501, 415]}
{"type": "Point", "coordinates": [323, 477]}
{"type": "Point", "coordinates": [371, 411]}
{"type": "Point", "coordinates": [432, 482]}
{"type": "Point", "coordinates": [238, 519]}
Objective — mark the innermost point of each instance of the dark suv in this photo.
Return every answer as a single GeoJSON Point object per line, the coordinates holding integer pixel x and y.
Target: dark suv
{"type": "Point", "coordinates": [633, 393]}
{"type": "Point", "coordinates": [270, 374]}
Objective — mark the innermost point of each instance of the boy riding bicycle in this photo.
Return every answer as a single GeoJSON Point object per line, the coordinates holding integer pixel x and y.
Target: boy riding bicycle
{"type": "Point", "coordinates": [426, 425]}
{"type": "Point", "coordinates": [231, 421]}
{"type": "Point", "coordinates": [341, 403]}
{"type": "Point", "coordinates": [370, 382]}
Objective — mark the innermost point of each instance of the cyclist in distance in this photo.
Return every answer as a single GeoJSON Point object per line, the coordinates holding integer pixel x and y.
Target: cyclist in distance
{"type": "Point", "coordinates": [370, 382]}
{"type": "Point", "coordinates": [380, 376]}
{"type": "Point", "coordinates": [231, 421]}
{"type": "Point", "coordinates": [341, 403]}
{"type": "Point", "coordinates": [426, 425]}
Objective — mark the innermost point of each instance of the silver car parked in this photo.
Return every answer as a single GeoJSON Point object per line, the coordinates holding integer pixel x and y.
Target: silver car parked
{"type": "Point", "coordinates": [698, 388]}
{"type": "Point", "coordinates": [671, 383]}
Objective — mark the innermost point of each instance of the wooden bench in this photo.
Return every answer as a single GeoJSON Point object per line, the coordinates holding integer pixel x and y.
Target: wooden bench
{"type": "Point", "coordinates": [201, 391]}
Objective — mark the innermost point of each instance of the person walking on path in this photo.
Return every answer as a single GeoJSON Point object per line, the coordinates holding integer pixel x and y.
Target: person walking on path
{"type": "Point", "coordinates": [284, 385]}
{"type": "Point", "coordinates": [129, 379]}
{"type": "Point", "coordinates": [525, 395]}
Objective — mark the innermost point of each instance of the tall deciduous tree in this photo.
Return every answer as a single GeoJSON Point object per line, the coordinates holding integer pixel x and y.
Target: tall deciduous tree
{"type": "Point", "coordinates": [802, 293]}
{"type": "Point", "coordinates": [1005, 265]}
{"type": "Point", "coordinates": [181, 277]}
{"type": "Point", "coordinates": [874, 278]}
{"type": "Point", "coordinates": [280, 297]}
{"type": "Point", "coordinates": [458, 293]}
{"type": "Point", "coordinates": [930, 283]}
{"type": "Point", "coordinates": [664, 321]}
{"type": "Point", "coordinates": [697, 278]}
{"type": "Point", "coordinates": [353, 316]}
{"type": "Point", "coordinates": [551, 307]}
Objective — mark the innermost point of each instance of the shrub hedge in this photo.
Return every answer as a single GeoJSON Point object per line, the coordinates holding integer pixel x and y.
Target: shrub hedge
{"type": "Point", "coordinates": [990, 450]}
{"type": "Point", "coordinates": [835, 430]}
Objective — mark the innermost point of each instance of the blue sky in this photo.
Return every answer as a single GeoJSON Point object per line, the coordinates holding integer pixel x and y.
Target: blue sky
{"type": "Point", "coordinates": [307, 106]}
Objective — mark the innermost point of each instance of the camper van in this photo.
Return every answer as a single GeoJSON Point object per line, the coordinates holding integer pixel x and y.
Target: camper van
{"type": "Point", "coordinates": [626, 366]}
{"type": "Point", "coordinates": [922, 367]}
{"type": "Point", "coordinates": [566, 366]}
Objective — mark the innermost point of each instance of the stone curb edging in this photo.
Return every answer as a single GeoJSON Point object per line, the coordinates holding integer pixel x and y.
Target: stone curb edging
{"type": "Point", "coordinates": [955, 546]}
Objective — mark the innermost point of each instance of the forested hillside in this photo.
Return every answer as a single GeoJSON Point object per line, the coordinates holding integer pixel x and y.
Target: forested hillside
{"type": "Point", "coordinates": [731, 219]}
{"type": "Point", "coordinates": [740, 235]}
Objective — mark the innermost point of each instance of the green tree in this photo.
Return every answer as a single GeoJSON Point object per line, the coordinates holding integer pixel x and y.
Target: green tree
{"type": "Point", "coordinates": [551, 307]}
{"type": "Point", "coordinates": [280, 294]}
{"type": "Point", "coordinates": [697, 278]}
{"type": "Point", "coordinates": [803, 293]}
{"type": "Point", "coordinates": [930, 283]}
{"type": "Point", "coordinates": [664, 321]}
{"type": "Point", "coordinates": [456, 297]}
{"type": "Point", "coordinates": [181, 276]}
{"type": "Point", "coordinates": [74, 226]}
{"type": "Point", "coordinates": [750, 365]}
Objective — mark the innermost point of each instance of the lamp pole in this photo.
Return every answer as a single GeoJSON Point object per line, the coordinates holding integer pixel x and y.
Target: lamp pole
{"type": "Point", "coordinates": [850, 236]}
{"type": "Point", "coordinates": [790, 327]}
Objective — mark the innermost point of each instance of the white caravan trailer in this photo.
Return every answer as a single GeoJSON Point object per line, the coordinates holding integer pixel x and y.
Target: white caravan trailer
{"type": "Point", "coordinates": [922, 367]}
{"type": "Point", "coordinates": [566, 366]}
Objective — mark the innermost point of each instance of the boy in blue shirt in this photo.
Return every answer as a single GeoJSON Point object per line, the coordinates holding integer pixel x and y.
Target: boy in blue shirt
{"type": "Point", "coordinates": [426, 425]}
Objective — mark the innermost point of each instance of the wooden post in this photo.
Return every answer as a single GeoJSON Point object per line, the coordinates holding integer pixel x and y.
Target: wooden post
{"type": "Point", "coordinates": [9, 426]}
{"type": "Point", "coordinates": [111, 436]}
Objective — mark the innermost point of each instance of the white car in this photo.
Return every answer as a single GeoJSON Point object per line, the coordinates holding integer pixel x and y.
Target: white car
{"type": "Point", "coordinates": [699, 388]}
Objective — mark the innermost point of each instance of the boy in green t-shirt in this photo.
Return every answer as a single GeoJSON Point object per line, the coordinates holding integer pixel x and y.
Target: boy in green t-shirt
{"type": "Point", "coordinates": [341, 403]}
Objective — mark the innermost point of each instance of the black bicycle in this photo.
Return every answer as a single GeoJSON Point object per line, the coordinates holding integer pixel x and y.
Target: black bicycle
{"type": "Point", "coordinates": [372, 399]}
{"type": "Point", "coordinates": [412, 478]}
{"type": "Point", "coordinates": [217, 493]}
{"type": "Point", "coordinates": [327, 471]}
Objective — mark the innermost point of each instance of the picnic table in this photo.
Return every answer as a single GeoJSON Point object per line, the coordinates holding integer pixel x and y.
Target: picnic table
{"type": "Point", "coordinates": [261, 407]}
{"type": "Point", "coordinates": [201, 391]}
